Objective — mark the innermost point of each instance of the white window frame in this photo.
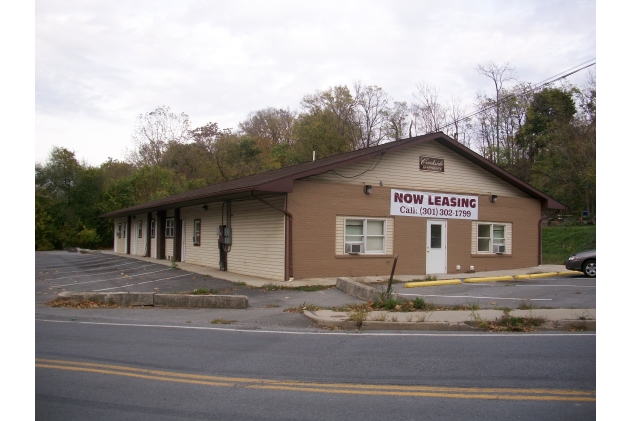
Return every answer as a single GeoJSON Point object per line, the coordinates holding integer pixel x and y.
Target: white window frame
{"type": "Point", "coordinates": [140, 229]}
{"type": "Point", "coordinates": [153, 229]}
{"type": "Point", "coordinates": [491, 239]}
{"type": "Point", "coordinates": [119, 234]}
{"type": "Point", "coordinates": [169, 230]}
{"type": "Point", "coordinates": [124, 229]}
{"type": "Point", "coordinates": [197, 232]}
{"type": "Point", "coordinates": [365, 235]}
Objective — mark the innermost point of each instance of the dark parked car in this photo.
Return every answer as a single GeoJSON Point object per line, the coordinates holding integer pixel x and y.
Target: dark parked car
{"type": "Point", "coordinates": [584, 261]}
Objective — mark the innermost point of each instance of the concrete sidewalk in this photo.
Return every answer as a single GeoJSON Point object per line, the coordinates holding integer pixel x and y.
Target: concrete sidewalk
{"type": "Point", "coordinates": [228, 276]}
{"type": "Point", "coordinates": [258, 282]}
{"type": "Point", "coordinates": [553, 319]}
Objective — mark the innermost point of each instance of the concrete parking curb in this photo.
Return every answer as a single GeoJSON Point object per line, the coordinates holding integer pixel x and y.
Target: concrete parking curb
{"type": "Point", "coordinates": [160, 300]}
{"type": "Point", "coordinates": [200, 301]}
{"type": "Point", "coordinates": [489, 279]}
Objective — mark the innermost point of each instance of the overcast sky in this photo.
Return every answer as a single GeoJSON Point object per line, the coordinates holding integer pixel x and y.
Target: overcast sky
{"type": "Point", "coordinates": [100, 64]}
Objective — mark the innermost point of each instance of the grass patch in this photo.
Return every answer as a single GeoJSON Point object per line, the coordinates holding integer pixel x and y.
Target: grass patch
{"type": "Point", "coordinates": [469, 306]}
{"type": "Point", "coordinates": [301, 309]}
{"type": "Point", "coordinates": [83, 304]}
{"type": "Point", "coordinates": [204, 291]}
{"type": "Point", "coordinates": [507, 323]}
{"type": "Point", "coordinates": [223, 322]}
{"type": "Point", "coordinates": [418, 304]}
{"type": "Point", "coordinates": [559, 242]}
{"type": "Point", "coordinates": [304, 288]}
{"type": "Point", "coordinates": [270, 306]}
{"type": "Point", "coordinates": [382, 317]}
{"type": "Point", "coordinates": [240, 284]}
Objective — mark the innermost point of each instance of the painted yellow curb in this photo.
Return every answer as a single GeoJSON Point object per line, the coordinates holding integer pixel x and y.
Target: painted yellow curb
{"type": "Point", "coordinates": [546, 274]}
{"type": "Point", "coordinates": [432, 283]}
{"type": "Point", "coordinates": [543, 275]}
{"type": "Point", "coordinates": [489, 279]}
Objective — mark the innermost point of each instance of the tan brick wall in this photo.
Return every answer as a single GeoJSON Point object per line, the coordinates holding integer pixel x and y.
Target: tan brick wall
{"type": "Point", "coordinates": [315, 205]}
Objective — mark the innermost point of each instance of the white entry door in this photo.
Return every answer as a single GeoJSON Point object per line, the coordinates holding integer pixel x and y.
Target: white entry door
{"type": "Point", "coordinates": [436, 247]}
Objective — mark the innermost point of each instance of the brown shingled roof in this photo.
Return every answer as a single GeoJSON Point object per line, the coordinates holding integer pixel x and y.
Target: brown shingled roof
{"type": "Point", "coordinates": [281, 180]}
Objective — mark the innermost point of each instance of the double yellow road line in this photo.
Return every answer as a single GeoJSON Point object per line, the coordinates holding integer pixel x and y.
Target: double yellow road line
{"type": "Point", "coordinates": [334, 388]}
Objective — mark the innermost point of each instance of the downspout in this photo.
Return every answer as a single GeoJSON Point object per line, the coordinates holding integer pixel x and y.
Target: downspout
{"type": "Point", "coordinates": [290, 257]}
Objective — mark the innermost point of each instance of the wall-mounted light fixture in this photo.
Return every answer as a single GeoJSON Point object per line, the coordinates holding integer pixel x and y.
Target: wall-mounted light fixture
{"type": "Point", "coordinates": [492, 198]}
{"type": "Point", "coordinates": [205, 207]}
{"type": "Point", "coordinates": [367, 189]}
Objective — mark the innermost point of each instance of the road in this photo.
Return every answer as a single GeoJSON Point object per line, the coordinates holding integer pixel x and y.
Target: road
{"type": "Point", "coordinates": [168, 364]}
{"type": "Point", "coordinates": [144, 372]}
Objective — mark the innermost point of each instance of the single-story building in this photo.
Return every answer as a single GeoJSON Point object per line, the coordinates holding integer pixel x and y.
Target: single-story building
{"type": "Point", "coordinates": [439, 206]}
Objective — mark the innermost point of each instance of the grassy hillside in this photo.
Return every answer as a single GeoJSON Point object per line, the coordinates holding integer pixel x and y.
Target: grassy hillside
{"type": "Point", "coordinates": [560, 242]}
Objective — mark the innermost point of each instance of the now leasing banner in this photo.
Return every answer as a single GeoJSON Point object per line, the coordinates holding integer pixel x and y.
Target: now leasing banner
{"type": "Point", "coordinates": [433, 205]}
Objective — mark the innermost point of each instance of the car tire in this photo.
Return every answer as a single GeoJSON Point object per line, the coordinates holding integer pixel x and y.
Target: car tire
{"type": "Point", "coordinates": [589, 268]}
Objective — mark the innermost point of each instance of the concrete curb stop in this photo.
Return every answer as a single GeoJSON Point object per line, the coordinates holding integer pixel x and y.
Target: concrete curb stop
{"type": "Point", "coordinates": [489, 279]}
{"type": "Point", "coordinates": [363, 291]}
{"type": "Point", "coordinates": [160, 300]}
{"type": "Point", "coordinates": [432, 283]}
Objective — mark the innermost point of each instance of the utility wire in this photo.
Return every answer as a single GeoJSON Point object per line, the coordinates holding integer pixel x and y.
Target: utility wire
{"type": "Point", "coordinates": [535, 87]}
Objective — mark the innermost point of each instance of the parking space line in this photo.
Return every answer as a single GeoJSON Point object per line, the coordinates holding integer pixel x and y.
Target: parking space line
{"type": "Point", "coordinates": [140, 283]}
{"type": "Point", "coordinates": [88, 270]}
{"type": "Point", "coordinates": [112, 279]}
{"type": "Point", "coordinates": [96, 274]}
{"type": "Point", "coordinates": [473, 296]}
{"type": "Point", "coordinates": [95, 260]}
{"type": "Point", "coordinates": [574, 286]}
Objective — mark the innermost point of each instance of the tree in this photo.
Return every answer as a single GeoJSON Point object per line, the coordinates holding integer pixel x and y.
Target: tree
{"type": "Point", "coordinates": [548, 115]}
{"type": "Point", "coordinates": [319, 132]}
{"type": "Point", "coordinates": [154, 131]}
{"type": "Point", "coordinates": [398, 126]}
{"type": "Point", "coordinates": [270, 126]}
{"type": "Point", "coordinates": [335, 107]}
{"type": "Point", "coordinates": [371, 114]}
{"type": "Point", "coordinates": [205, 136]}
{"type": "Point", "coordinates": [429, 114]}
{"type": "Point", "coordinates": [499, 74]}
{"type": "Point", "coordinates": [238, 156]}
{"type": "Point", "coordinates": [58, 174]}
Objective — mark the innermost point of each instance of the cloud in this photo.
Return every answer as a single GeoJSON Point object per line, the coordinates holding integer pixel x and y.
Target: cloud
{"type": "Point", "coordinates": [107, 62]}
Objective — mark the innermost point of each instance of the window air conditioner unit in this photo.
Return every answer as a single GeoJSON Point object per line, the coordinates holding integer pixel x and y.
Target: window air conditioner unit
{"type": "Point", "coordinates": [351, 248]}
{"type": "Point", "coordinates": [499, 249]}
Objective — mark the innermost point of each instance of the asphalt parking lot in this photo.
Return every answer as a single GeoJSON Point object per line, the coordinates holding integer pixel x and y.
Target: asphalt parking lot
{"type": "Point", "coordinates": [57, 271]}
{"type": "Point", "coordinates": [569, 291]}
{"type": "Point", "coordinates": [64, 271]}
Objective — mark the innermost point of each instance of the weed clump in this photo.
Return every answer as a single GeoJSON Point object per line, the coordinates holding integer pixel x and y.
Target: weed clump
{"type": "Point", "coordinates": [204, 291]}
{"type": "Point", "coordinates": [223, 322]}
{"type": "Point", "coordinates": [301, 309]}
{"type": "Point", "coordinates": [82, 304]}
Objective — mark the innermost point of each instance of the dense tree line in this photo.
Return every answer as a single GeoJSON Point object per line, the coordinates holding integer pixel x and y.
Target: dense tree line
{"type": "Point", "coordinates": [547, 137]}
